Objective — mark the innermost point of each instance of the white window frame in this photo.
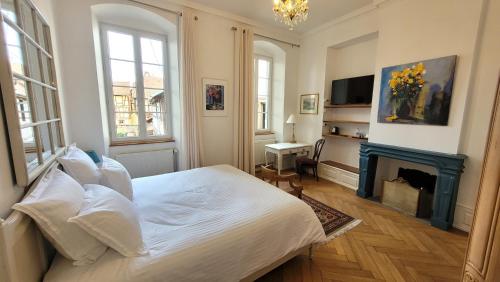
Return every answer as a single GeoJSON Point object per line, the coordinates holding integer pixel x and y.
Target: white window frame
{"type": "Point", "coordinates": [270, 91]}
{"type": "Point", "coordinates": [136, 35]}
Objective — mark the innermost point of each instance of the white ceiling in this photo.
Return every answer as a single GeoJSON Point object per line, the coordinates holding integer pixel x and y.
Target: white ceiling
{"type": "Point", "coordinates": [321, 11]}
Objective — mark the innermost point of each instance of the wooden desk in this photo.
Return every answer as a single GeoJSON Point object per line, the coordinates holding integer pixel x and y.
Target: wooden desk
{"type": "Point", "coordinates": [281, 149]}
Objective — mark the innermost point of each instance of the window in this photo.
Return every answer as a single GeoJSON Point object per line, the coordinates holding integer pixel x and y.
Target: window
{"type": "Point", "coordinates": [135, 73]}
{"type": "Point", "coordinates": [263, 80]}
{"type": "Point", "coordinates": [29, 90]}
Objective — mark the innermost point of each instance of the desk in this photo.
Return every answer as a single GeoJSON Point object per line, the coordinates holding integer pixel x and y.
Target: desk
{"type": "Point", "coordinates": [281, 149]}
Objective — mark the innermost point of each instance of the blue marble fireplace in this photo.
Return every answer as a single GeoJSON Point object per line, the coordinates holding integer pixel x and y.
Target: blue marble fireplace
{"type": "Point", "coordinates": [449, 168]}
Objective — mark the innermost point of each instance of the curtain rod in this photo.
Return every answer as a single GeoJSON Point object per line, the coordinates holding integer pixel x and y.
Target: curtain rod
{"type": "Point", "coordinates": [271, 38]}
{"type": "Point", "coordinates": [178, 13]}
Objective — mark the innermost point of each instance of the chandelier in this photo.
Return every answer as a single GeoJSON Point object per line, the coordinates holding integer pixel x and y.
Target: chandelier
{"type": "Point", "coordinates": [291, 12]}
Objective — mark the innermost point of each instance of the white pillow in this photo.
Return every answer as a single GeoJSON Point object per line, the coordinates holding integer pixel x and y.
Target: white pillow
{"type": "Point", "coordinates": [52, 202]}
{"type": "Point", "coordinates": [115, 176]}
{"type": "Point", "coordinates": [112, 219]}
{"type": "Point", "coordinates": [80, 166]}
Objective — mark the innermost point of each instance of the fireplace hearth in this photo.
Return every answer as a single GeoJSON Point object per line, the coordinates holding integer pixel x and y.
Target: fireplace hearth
{"type": "Point", "coordinates": [449, 168]}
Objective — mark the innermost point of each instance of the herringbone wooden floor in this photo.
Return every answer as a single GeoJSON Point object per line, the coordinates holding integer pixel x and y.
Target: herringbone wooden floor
{"type": "Point", "coordinates": [386, 246]}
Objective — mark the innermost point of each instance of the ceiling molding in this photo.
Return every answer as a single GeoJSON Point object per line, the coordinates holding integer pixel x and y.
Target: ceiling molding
{"type": "Point", "coordinates": [356, 13]}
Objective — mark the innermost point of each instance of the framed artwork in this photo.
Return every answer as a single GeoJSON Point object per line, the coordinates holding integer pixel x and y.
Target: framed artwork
{"type": "Point", "coordinates": [417, 93]}
{"type": "Point", "coordinates": [309, 104]}
{"type": "Point", "coordinates": [214, 97]}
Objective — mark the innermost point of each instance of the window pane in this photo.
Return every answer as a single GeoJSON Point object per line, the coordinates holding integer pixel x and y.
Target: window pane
{"type": "Point", "coordinates": [8, 10]}
{"type": "Point", "coordinates": [29, 147]}
{"type": "Point", "coordinates": [51, 104]}
{"type": "Point", "coordinates": [123, 73]}
{"type": "Point", "coordinates": [56, 134]}
{"type": "Point", "coordinates": [152, 51]}
{"type": "Point", "coordinates": [125, 99]}
{"type": "Point", "coordinates": [27, 16]}
{"type": "Point", "coordinates": [41, 35]}
{"type": "Point", "coordinates": [261, 121]}
{"type": "Point", "coordinates": [262, 105]}
{"type": "Point", "coordinates": [34, 66]}
{"type": "Point", "coordinates": [121, 46]}
{"type": "Point", "coordinates": [153, 76]}
{"type": "Point", "coordinates": [22, 100]}
{"type": "Point", "coordinates": [127, 125]}
{"type": "Point", "coordinates": [154, 100]}
{"type": "Point", "coordinates": [13, 40]}
{"type": "Point", "coordinates": [39, 102]}
{"type": "Point", "coordinates": [45, 69]}
{"type": "Point", "coordinates": [155, 124]}
{"type": "Point", "coordinates": [45, 136]}
{"type": "Point", "coordinates": [263, 68]}
{"type": "Point", "coordinates": [263, 86]}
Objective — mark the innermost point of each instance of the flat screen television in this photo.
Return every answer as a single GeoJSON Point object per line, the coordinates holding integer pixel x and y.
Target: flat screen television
{"type": "Point", "coordinates": [352, 91]}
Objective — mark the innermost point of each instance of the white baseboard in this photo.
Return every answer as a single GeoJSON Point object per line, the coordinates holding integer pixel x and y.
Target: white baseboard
{"type": "Point", "coordinates": [463, 217]}
{"type": "Point", "coordinates": [463, 213]}
{"type": "Point", "coordinates": [339, 176]}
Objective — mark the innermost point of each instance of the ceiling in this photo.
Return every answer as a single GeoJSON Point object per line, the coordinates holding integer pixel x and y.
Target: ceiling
{"type": "Point", "coordinates": [321, 11]}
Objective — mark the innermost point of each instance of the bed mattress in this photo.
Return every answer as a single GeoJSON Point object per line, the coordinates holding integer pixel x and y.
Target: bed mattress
{"type": "Point", "coordinates": [209, 224]}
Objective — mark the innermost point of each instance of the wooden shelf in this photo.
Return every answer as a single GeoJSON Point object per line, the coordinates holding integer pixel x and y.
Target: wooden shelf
{"type": "Point", "coordinates": [348, 106]}
{"type": "Point", "coordinates": [344, 136]}
{"type": "Point", "coordinates": [346, 121]}
{"type": "Point", "coordinates": [341, 166]}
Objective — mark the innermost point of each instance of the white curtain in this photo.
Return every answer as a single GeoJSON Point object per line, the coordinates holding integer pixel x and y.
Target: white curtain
{"type": "Point", "coordinates": [244, 133]}
{"type": "Point", "coordinates": [191, 143]}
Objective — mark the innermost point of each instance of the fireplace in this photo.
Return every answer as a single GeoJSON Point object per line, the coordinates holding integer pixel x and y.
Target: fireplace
{"type": "Point", "coordinates": [449, 168]}
{"type": "Point", "coordinates": [412, 192]}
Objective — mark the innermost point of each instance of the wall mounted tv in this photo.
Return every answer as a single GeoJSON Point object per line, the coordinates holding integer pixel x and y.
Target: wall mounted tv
{"type": "Point", "coordinates": [352, 91]}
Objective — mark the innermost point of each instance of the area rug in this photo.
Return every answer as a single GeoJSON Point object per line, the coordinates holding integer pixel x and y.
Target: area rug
{"type": "Point", "coordinates": [335, 223]}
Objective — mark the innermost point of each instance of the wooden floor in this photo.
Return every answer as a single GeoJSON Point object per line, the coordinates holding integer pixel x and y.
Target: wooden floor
{"type": "Point", "coordinates": [386, 246]}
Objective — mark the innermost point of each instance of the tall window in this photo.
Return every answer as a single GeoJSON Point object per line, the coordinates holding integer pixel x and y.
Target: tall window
{"type": "Point", "coordinates": [263, 80]}
{"type": "Point", "coordinates": [136, 82]}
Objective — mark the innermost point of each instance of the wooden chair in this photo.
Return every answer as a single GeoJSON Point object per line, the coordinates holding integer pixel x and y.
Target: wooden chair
{"type": "Point", "coordinates": [283, 181]}
{"type": "Point", "coordinates": [302, 163]}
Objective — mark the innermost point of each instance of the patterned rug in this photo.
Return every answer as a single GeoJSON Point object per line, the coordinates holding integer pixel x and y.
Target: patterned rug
{"type": "Point", "coordinates": [335, 223]}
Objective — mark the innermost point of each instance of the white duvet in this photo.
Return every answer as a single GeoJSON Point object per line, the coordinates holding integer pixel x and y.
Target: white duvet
{"type": "Point", "coordinates": [210, 224]}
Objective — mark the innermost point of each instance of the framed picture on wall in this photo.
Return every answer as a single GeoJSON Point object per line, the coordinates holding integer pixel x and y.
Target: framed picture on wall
{"type": "Point", "coordinates": [309, 104]}
{"type": "Point", "coordinates": [214, 97]}
{"type": "Point", "coordinates": [417, 93]}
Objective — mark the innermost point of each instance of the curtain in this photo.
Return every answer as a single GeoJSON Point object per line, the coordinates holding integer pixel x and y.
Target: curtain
{"type": "Point", "coordinates": [244, 133]}
{"type": "Point", "coordinates": [191, 139]}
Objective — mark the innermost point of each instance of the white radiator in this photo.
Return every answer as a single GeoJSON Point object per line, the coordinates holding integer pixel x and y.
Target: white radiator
{"type": "Point", "coordinates": [259, 150]}
{"type": "Point", "coordinates": [153, 162]}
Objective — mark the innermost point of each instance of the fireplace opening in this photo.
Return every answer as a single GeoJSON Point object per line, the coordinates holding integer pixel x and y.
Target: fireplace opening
{"type": "Point", "coordinates": [412, 192]}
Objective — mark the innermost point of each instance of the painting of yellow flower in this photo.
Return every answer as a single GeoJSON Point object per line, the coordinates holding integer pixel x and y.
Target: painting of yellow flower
{"type": "Point", "coordinates": [417, 93]}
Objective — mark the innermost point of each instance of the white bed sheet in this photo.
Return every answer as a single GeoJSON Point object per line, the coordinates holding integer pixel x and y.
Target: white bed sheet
{"type": "Point", "coordinates": [210, 224]}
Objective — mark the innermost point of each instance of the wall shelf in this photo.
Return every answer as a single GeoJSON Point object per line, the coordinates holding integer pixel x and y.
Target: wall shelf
{"type": "Point", "coordinates": [346, 121]}
{"type": "Point", "coordinates": [344, 136]}
{"type": "Point", "coordinates": [348, 106]}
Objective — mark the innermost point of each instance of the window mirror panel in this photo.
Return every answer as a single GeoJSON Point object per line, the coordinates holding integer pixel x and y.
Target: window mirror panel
{"type": "Point", "coordinates": [29, 90]}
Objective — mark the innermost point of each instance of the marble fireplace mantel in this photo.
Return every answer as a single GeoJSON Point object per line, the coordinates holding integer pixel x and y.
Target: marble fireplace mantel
{"type": "Point", "coordinates": [449, 168]}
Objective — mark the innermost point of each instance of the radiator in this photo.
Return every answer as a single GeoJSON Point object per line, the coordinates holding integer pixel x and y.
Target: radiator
{"type": "Point", "coordinates": [259, 150]}
{"type": "Point", "coordinates": [154, 162]}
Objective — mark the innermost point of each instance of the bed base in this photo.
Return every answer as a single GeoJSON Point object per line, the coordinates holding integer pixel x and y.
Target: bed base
{"type": "Point", "coordinates": [307, 250]}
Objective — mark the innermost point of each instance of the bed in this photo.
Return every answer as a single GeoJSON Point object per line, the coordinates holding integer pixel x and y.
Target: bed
{"type": "Point", "coordinates": [211, 224]}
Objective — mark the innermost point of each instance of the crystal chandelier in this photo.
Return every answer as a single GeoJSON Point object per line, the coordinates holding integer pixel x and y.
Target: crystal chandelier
{"type": "Point", "coordinates": [291, 12]}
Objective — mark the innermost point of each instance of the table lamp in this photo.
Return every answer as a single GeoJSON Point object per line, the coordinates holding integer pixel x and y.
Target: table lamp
{"type": "Point", "coordinates": [291, 120]}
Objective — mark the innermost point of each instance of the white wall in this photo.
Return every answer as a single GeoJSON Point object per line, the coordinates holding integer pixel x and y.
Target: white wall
{"type": "Point", "coordinates": [356, 58]}
{"type": "Point", "coordinates": [9, 192]}
{"type": "Point", "coordinates": [410, 31]}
